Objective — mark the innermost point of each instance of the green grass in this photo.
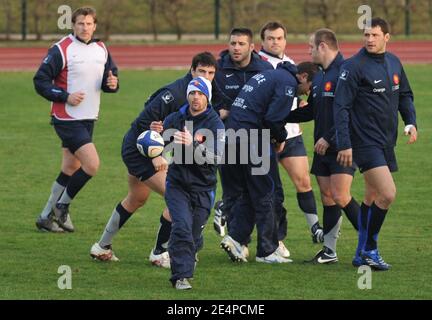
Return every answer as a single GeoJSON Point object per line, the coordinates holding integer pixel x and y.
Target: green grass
{"type": "Point", "coordinates": [29, 260]}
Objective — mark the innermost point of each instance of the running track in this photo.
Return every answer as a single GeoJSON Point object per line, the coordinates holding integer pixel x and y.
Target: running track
{"type": "Point", "coordinates": [179, 56]}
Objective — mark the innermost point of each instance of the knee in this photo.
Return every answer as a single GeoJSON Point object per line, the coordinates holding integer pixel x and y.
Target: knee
{"type": "Point", "coordinates": [91, 168]}
{"type": "Point", "coordinates": [341, 198]}
{"type": "Point", "coordinates": [133, 203]}
{"type": "Point", "coordinates": [166, 215]}
{"type": "Point", "coordinates": [303, 183]}
{"type": "Point", "coordinates": [326, 198]}
{"type": "Point", "coordinates": [386, 198]}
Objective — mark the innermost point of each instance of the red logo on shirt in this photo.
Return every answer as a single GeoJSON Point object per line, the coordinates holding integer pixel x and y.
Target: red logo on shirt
{"type": "Point", "coordinates": [328, 86]}
{"type": "Point", "coordinates": [396, 79]}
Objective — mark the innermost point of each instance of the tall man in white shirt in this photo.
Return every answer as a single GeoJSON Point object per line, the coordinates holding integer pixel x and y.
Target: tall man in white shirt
{"type": "Point", "coordinates": [72, 76]}
{"type": "Point", "coordinates": [293, 158]}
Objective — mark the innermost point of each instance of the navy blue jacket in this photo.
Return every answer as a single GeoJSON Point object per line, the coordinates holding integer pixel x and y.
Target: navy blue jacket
{"type": "Point", "coordinates": [201, 175]}
{"type": "Point", "coordinates": [229, 79]}
{"type": "Point", "coordinates": [163, 102]}
{"type": "Point", "coordinates": [51, 68]}
{"type": "Point", "coordinates": [370, 91]}
{"type": "Point", "coordinates": [265, 101]}
{"type": "Point", "coordinates": [320, 103]}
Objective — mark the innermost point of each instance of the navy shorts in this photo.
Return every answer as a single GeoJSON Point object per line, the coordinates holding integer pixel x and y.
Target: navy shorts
{"type": "Point", "coordinates": [373, 156]}
{"type": "Point", "coordinates": [294, 147]}
{"type": "Point", "coordinates": [74, 134]}
{"type": "Point", "coordinates": [326, 165]}
{"type": "Point", "coordinates": [138, 165]}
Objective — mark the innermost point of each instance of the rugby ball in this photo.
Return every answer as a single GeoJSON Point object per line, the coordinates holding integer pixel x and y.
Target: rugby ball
{"type": "Point", "coordinates": [150, 144]}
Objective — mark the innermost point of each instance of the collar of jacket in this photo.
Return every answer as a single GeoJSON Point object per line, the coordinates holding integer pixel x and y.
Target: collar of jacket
{"type": "Point", "coordinates": [81, 40]}
{"type": "Point", "coordinates": [184, 110]}
{"type": "Point", "coordinates": [253, 66]}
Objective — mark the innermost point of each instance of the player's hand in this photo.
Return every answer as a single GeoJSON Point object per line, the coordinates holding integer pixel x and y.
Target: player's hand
{"type": "Point", "coordinates": [412, 132]}
{"type": "Point", "coordinates": [156, 126]}
{"type": "Point", "coordinates": [303, 103]}
{"type": "Point", "coordinates": [159, 163]}
{"type": "Point", "coordinates": [344, 158]}
{"type": "Point", "coordinates": [112, 81]}
{"type": "Point", "coordinates": [75, 98]}
{"type": "Point", "coordinates": [279, 146]}
{"type": "Point", "coordinates": [183, 137]}
{"type": "Point", "coordinates": [321, 146]}
{"type": "Point", "coordinates": [223, 114]}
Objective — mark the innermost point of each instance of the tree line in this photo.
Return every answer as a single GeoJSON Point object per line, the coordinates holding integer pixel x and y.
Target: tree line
{"type": "Point", "coordinates": [181, 17]}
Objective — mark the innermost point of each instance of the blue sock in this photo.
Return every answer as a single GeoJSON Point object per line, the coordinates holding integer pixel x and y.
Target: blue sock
{"type": "Point", "coordinates": [362, 225]}
{"type": "Point", "coordinates": [352, 210]}
{"type": "Point", "coordinates": [375, 221]}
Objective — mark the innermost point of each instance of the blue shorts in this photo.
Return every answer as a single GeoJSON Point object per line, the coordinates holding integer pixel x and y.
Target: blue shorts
{"type": "Point", "coordinates": [294, 147]}
{"type": "Point", "coordinates": [326, 165]}
{"type": "Point", "coordinates": [138, 165]}
{"type": "Point", "coordinates": [74, 134]}
{"type": "Point", "coordinates": [373, 156]}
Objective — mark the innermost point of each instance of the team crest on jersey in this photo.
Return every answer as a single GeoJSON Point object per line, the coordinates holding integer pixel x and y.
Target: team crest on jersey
{"type": "Point", "coordinates": [344, 75]}
{"type": "Point", "coordinates": [167, 97]}
{"type": "Point", "coordinates": [396, 79]}
{"type": "Point", "coordinates": [289, 91]}
{"type": "Point", "coordinates": [47, 59]}
{"type": "Point", "coordinates": [328, 86]}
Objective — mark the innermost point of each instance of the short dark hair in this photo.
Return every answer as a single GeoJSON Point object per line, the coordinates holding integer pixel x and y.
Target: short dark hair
{"type": "Point", "coordinates": [272, 25]}
{"type": "Point", "coordinates": [307, 67]}
{"type": "Point", "coordinates": [383, 24]}
{"type": "Point", "coordinates": [328, 37]}
{"type": "Point", "coordinates": [84, 11]}
{"type": "Point", "coordinates": [242, 32]}
{"type": "Point", "coordinates": [206, 59]}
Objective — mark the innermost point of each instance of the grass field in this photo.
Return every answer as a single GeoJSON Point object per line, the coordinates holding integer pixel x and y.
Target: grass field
{"type": "Point", "coordinates": [29, 260]}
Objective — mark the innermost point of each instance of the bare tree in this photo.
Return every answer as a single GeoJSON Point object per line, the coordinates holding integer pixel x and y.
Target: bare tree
{"type": "Point", "coordinates": [153, 21]}
{"type": "Point", "coordinates": [171, 11]}
{"type": "Point", "coordinates": [40, 14]}
{"type": "Point", "coordinates": [232, 13]}
{"type": "Point", "coordinates": [306, 13]}
{"type": "Point", "coordinates": [7, 5]}
{"type": "Point", "coordinates": [393, 12]}
{"type": "Point", "coordinates": [329, 11]}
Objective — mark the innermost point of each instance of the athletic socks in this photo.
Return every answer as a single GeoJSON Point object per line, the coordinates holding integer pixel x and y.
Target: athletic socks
{"type": "Point", "coordinates": [56, 190]}
{"type": "Point", "coordinates": [306, 202]}
{"type": "Point", "coordinates": [376, 218]}
{"type": "Point", "coordinates": [76, 182]}
{"type": "Point", "coordinates": [118, 218]}
{"type": "Point", "coordinates": [352, 210]}
{"type": "Point", "coordinates": [332, 219]}
{"type": "Point", "coordinates": [163, 236]}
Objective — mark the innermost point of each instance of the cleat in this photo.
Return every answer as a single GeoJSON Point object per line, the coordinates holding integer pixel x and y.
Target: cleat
{"type": "Point", "coordinates": [275, 257]}
{"type": "Point", "coordinates": [317, 233]}
{"type": "Point", "coordinates": [282, 250]}
{"type": "Point", "coordinates": [62, 217]}
{"type": "Point", "coordinates": [48, 224]}
{"type": "Point", "coordinates": [182, 284]}
{"type": "Point", "coordinates": [219, 221]}
{"type": "Point", "coordinates": [160, 260]}
{"type": "Point", "coordinates": [373, 259]}
{"type": "Point", "coordinates": [234, 249]}
{"type": "Point", "coordinates": [324, 256]}
{"type": "Point", "coordinates": [101, 254]}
